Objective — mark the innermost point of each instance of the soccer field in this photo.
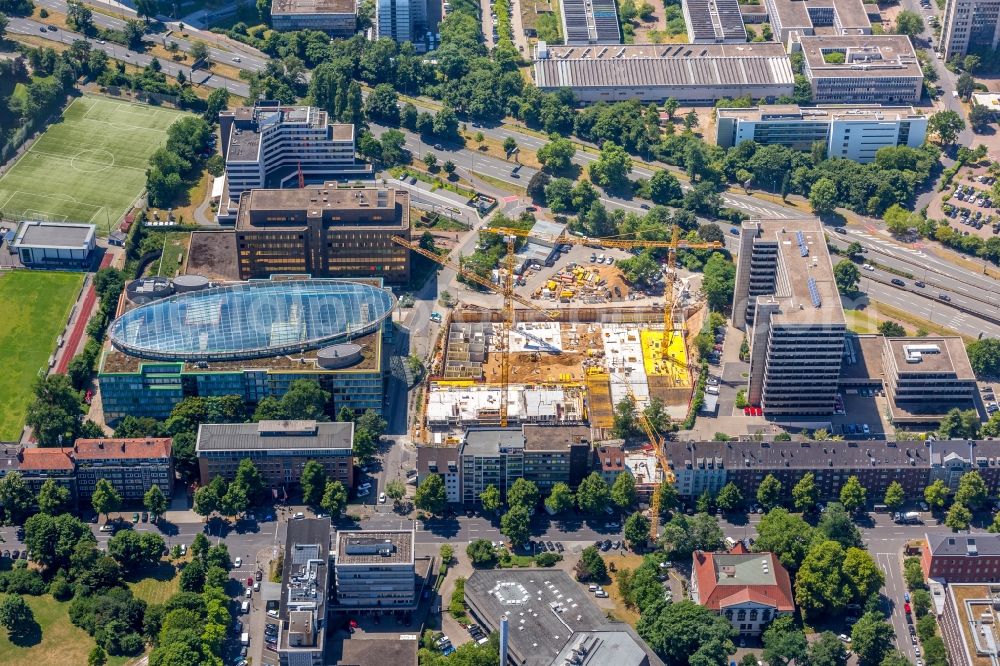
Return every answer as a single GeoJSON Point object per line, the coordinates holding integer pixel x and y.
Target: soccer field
{"type": "Point", "coordinates": [89, 166]}
{"type": "Point", "coordinates": [34, 306]}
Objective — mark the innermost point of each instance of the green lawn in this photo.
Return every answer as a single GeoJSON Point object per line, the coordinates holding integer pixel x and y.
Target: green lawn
{"type": "Point", "coordinates": [60, 643]}
{"type": "Point", "coordinates": [33, 310]}
{"type": "Point", "coordinates": [89, 166]}
{"type": "Point", "coordinates": [155, 585]}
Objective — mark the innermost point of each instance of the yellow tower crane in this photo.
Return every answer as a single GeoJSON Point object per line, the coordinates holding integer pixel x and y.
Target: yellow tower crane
{"type": "Point", "coordinates": [506, 289]}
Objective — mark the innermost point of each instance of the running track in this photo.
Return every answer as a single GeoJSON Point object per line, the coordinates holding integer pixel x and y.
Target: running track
{"type": "Point", "coordinates": [72, 345]}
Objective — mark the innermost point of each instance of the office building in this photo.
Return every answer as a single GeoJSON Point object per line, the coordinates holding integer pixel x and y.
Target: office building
{"type": "Point", "coordinates": [714, 22]}
{"type": "Point", "coordinates": [324, 232]}
{"type": "Point", "coordinates": [970, 25]}
{"type": "Point", "coordinates": [272, 145]}
{"type": "Point", "coordinates": [490, 457]}
{"type": "Point", "coordinates": [279, 450]}
{"type": "Point", "coordinates": [54, 245]}
{"type": "Point", "coordinates": [961, 558]}
{"type": "Point", "coordinates": [552, 621]}
{"type": "Point", "coordinates": [554, 454]}
{"type": "Point", "coordinates": [251, 339]}
{"type": "Point", "coordinates": [690, 73]}
{"type": "Point", "coordinates": [375, 570]}
{"type": "Point", "coordinates": [787, 301]}
{"type": "Point", "coordinates": [870, 69]}
{"type": "Point", "coordinates": [590, 22]}
{"type": "Point", "coordinates": [803, 17]}
{"type": "Point", "coordinates": [748, 589]}
{"type": "Point", "coordinates": [926, 377]}
{"type": "Point", "coordinates": [850, 131]}
{"type": "Point", "coordinates": [401, 20]}
{"type": "Point", "coordinates": [969, 620]}
{"type": "Point", "coordinates": [302, 611]}
{"type": "Point", "coordinates": [132, 466]}
{"type": "Point", "coordinates": [443, 461]}
{"type": "Point", "coordinates": [337, 17]}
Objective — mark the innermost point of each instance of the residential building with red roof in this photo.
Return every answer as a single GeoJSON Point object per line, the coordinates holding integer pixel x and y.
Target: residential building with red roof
{"type": "Point", "coordinates": [748, 589]}
{"type": "Point", "coordinates": [37, 466]}
{"type": "Point", "coordinates": [131, 465]}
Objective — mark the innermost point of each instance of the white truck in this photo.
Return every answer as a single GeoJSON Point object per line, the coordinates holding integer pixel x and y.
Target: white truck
{"type": "Point", "coordinates": [908, 518]}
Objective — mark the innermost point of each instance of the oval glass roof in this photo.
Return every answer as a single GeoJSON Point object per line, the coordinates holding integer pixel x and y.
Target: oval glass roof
{"type": "Point", "coordinates": [252, 320]}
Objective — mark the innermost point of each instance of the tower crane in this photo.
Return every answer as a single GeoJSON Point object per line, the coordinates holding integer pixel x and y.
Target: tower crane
{"type": "Point", "coordinates": [506, 289]}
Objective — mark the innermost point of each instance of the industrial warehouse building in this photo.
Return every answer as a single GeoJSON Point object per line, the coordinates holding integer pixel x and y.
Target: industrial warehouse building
{"type": "Point", "coordinates": [54, 244]}
{"type": "Point", "coordinates": [324, 232]}
{"type": "Point", "coordinates": [590, 22]}
{"type": "Point", "coordinates": [714, 22]}
{"type": "Point", "coordinates": [853, 132]}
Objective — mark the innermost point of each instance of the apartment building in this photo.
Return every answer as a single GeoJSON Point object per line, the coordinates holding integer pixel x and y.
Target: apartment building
{"type": "Point", "coordinates": [609, 460]}
{"type": "Point", "coordinates": [854, 132]}
{"type": "Point", "coordinates": [443, 461]}
{"type": "Point", "coordinates": [949, 460]}
{"type": "Point", "coordinates": [832, 17]}
{"type": "Point", "coordinates": [961, 558]}
{"type": "Point", "coordinates": [279, 449]}
{"type": "Point", "coordinates": [36, 466]}
{"type": "Point", "coordinates": [324, 232]}
{"type": "Point", "coordinates": [339, 18]}
{"type": "Point", "coordinates": [869, 69]}
{"type": "Point", "coordinates": [554, 454]}
{"type": "Point", "coordinates": [970, 25]}
{"type": "Point", "coordinates": [748, 589]}
{"type": "Point", "coordinates": [787, 300]}
{"type": "Point", "coordinates": [375, 570]}
{"type": "Point", "coordinates": [272, 145]}
{"type": "Point", "coordinates": [490, 457]}
{"type": "Point", "coordinates": [132, 466]}
{"type": "Point", "coordinates": [401, 20]}
{"type": "Point", "coordinates": [925, 378]}
{"type": "Point", "coordinates": [302, 611]}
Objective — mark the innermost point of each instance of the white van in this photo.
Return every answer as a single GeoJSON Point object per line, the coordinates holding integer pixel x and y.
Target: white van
{"type": "Point", "coordinates": [245, 607]}
{"type": "Point", "coordinates": [245, 638]}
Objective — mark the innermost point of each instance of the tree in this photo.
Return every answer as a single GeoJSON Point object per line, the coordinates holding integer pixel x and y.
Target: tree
{"type": "Point", "coordinates": [16, 615]}
{"type": "Point", "coordinates": [54, 416]}
{"type": "Point", "coordinates": [786, 535]}
{"type": "Point", "coordinates": [198, 53]}
{"type": "Point", "coordinates": [864, 573]}
{"type": "Point", "coordinates": [681, 535]}
{"type": "Point", "coordinates": [936, 495]}
{"type": "Point", "coordinates": [217, 101]}
{"type": "Point", "coordinates": [769, 493]}
{"type": "Point", "coordinates": [623, 491]}
{"type": "Point", "coordinates": [784, 642]}
{"type": "Point", "coordinates": [625, 421]}
{"type": "Point", "coordinates": [481, 553]}
{"type": "Point", "coordinates": [893, 658]}
{"type": "Point", "coordinates": [509, 145]}
{"type": "Point", "coordinates": [53, 498]}
{"type": "Point", "coordinates": [946, 125]}
{"type": "Point", "coordinates": [836, 525]}
{"type": "Point", "coordinates": [686, 633]}
{"type": "Point", "coordinates": [972, 491]}
{"type": "Point", "coordinates": [821, 586]}
{"type": "Point", "coordinates": [958, 517]}
{"type": "Point", "coordinates": [313, 482]}
{"type": "Point", "coordinates": [805, 495]}
{"type": "Point", "coordinates": [97, 657]}
{"type": "Point", "coordinates": [612, 168]}
{"type": "Point", "coordinates": [490, 497]}
{"type": "Point", "coordinates": [523, 493]}
{"type": "Point", "coordinates": [334, 499]}
{"type": "Point", "coordinates": [445, 123]}
{"type": "Point", "coordinates": [134, 549]}
{"type": "Point", "coordinates": [871, 638]}
{"type": "Point", "coordinates": [395, 490]}
{"type": "Point", "coordinates": [430, 159]}
{"type": "Point", "coordinates": [199, 546]}
{"type": "Point", "coordinates": [560, 499]}
{"type": "Point", "coordinates": [823, 196]}
{"type": "Point", "coordinates": [79, 17]}
{"type": "Point", "coordinates": [958, 424]}
{"type": "Point", "coordinates": [431, 495]}
{"type": "Point", "coordinates": [155, 502]}
{"type": "Point", "coordinates": [847, 276]}
{"type": "Point", "coordinates": [965, 85]}
{"type": "Point", "coordinates": [909, 23]}
{"type": "Point", "coordinates": [133, 32]}
{"type": "Point", "coordinates": [305, 401]}
{"type": "Point", "coordinates": [193, 577]}
{"type": "Point", "coordinates": [593, 494]}
{"type": "Point", "coordinates": [669, 498]}
{"type": "Point", "coordinates": [382, 104]}
{"type": "Point", "coordinates": [730, 498]}
{"type": "Point", "coordinates": [208, 499]}
{"type": "Point", "coordinates": [516, 524]}
{"type": "Point", "coordinates": [249, 480]}
{"type": "Point", "coordinates": [853, 495]}
{"type": "Point", "coordinates": [105, 498]}
{"type": "Point", "coordinates": [670, 107]}
{"type": "Point", "coordinates": [827, 650]}
{"type": "Point", "coordinates": [664, 188]}
{"type": "Point", "coordinates": [637, 529]}
{"type": "Point", "coordinates": [719, 279]}
{"type": "Point", "coordinates": [921, 600]}
{"type": "Point", "coordinates": [536, 186]}
{"type": "Point", "coordinates": [557, 154]}
{"type": "Point", "coordinates": [894, 496]}
{"type": "Point", "coordinates": [591, 565]}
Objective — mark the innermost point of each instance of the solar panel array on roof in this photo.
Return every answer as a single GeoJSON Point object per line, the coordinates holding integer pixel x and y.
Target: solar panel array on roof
{"type": "Point", "coordinates": [803, 248]}
{"type": "Point", "coordinates": [814, 293]}
{"type": "Point", "coordinates": [590, 22]}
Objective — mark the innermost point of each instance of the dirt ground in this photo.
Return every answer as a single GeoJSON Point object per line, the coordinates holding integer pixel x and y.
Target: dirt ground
{"type": "Point", "coordinates": [536, 367]}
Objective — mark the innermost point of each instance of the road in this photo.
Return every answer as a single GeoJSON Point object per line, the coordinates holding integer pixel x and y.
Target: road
{"type": "Point", "coordinates": [118, 52]}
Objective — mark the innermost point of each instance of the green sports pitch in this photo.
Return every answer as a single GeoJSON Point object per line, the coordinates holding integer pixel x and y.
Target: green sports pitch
{"type": "Point", "coordinates": [88, 167]}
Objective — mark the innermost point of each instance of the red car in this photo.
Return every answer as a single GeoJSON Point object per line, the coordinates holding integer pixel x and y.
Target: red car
{"type": "Point", "coordinates": [906, 608]}
{"type": "Point", "coordinates": [249, 581]}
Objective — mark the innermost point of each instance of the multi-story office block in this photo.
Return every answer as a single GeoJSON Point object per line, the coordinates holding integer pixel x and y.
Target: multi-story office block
{"type": "Point", "coordinates": [798, 17]}
{"type": "Point", "coordinates": [854, 132]}
{"type": "Point", "coordinates": [302, 611]}
{"type": "Point", "coordinates": [554, 454]}
{"type": "Point", "coordinates": [132, 466]}
{"type": "Point", "coordinates": [970, 25]}
{"type": "Point", "coordinates": [869, 69]}
{"type": "Point", "coordinates": [490, 457]}
{"type": "Point", "coordinates": [337, 17]}
{"type": "Point", "coordinates": [324, 232]}
{"type": "Point", "coordinates": [787, 299]}
{"type": "Point", "coordinates": [273, 145]}
{"type": "Point", "coordinates": [375, 570]}
{"type": "Point", "coordinates": [279, 449]}
{"type": "Point", "coordinates": [401, 20]}
{"type": "Point", "coordinates": [926, 377]}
